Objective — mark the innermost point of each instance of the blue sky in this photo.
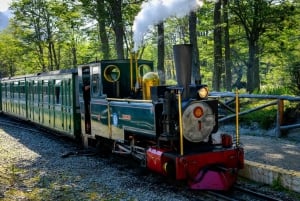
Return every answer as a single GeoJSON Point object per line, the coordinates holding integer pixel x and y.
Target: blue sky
{"type": "Point", "coordinates": [4, 13]}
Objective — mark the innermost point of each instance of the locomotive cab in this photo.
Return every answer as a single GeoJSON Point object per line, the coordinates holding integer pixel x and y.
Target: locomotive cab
{"type": "Point", "coordinates": [109, 86]}
{"type": "Point", "coordinates": [123, 78]}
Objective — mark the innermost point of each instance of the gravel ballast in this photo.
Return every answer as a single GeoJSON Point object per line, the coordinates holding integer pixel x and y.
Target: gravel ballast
{"type": "Point", "coordinates": [32, 168]}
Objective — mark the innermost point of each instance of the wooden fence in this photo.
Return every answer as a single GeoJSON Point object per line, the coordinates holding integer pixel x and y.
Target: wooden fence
{"type": "Point", "coordinates": [273, 100]}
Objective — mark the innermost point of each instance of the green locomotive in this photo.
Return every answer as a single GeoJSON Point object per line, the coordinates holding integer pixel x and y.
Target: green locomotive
{"type": "Point", "coordinates": [120, 106]}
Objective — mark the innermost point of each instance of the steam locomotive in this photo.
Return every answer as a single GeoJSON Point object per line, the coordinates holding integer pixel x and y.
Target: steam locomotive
{"type": "Point", "coordinates": [119, 105]}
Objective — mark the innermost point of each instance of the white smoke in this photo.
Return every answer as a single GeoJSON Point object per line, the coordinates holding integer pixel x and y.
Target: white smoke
{"type": "Point", "coordinates": [156, 11]}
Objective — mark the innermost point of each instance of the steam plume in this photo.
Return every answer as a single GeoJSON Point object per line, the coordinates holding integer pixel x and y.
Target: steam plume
{"type": "Point", "coordinates": [156, 11]}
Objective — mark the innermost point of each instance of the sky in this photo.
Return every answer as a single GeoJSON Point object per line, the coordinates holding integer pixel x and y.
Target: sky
{"type": "Point", "coordinates": [4, 4]}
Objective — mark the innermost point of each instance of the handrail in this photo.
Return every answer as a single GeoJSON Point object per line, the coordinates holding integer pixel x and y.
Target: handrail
{"type": "Point", "coordinates": [278, 100]}
{"type": "Point", "coordinates": [259, 96]}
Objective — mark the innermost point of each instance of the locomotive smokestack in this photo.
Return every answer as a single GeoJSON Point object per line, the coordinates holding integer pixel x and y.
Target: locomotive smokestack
{"type": "Point", "coordinates": [183, 66]}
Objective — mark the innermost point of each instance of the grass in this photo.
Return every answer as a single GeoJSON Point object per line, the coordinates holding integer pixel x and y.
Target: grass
{"type": "Point", "coordinates": [275, 91]}
{"type": "Point", "coordinates": [21, 184]}
{"type": "Point", "coordinates": [266, 118]}
{"type": "Point", "coordinates": [277, 185]}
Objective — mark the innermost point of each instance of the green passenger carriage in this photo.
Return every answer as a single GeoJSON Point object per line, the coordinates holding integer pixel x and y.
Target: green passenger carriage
{"type": "Point", "coordinates": [13, 96]}
{"type": "Point", "coordinates": [48, 99]}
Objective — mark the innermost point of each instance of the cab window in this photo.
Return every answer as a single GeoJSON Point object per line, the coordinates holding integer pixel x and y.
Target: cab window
{"type": "Point", "coordinates": [96, 82]}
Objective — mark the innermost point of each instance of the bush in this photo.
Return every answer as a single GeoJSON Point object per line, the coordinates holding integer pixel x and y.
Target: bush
{"type": "Point", "coordinates": [265, 118]}
{"type": "Point", "coordinates": [275, 91]}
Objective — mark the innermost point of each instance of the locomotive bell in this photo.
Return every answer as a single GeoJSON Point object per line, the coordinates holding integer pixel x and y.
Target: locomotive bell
{"type": "Point", "coordinates": [183, 66]}
{"type": "Point", "coordinates": [149, 79]}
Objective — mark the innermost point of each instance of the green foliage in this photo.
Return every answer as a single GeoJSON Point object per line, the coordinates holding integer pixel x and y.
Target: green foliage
{"type": "Point", "coordinates": [276, 90]}
{"type": "Point", "coordinates": [265, 118]}
{"type": "Point", "coordinates": [294, 69]}
{"type": "Point", "coordinates": [277, 184]}
{"type": "Point", "coordinates": [171, 82]}
{"type": "Point", "coordinates": [71, 29]}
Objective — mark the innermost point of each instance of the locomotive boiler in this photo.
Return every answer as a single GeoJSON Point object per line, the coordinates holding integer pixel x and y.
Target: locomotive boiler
{"type": "Point", "coordinates": [168, 128]}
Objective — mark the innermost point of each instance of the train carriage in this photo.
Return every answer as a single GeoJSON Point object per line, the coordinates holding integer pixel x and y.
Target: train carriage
{"type": "Point", "coordinates": [48, 99]}
{"type": "Point", "coordinates": [53, 103]}
{"type": "Point", "coordinates": [13, 96]}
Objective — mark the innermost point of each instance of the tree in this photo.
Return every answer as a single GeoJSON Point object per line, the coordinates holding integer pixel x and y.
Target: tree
{"type": "Point", "coordinates": [29, 14]}
{"type": "Point", "coordinates": [228, 63]}
{"type": "Point", "coordinates": [43, 23]}
{"type": "Point", "coordinates": [218, 61]}
{"type": "Point", "coordinates": [8, 56]}
{"type": "Point", "coordinates": [195, 51]}
{"type": "Point", "coordinates": [118, 25]}
{"type": "Point", "coordinates": [256, 17]}
{"type": "Point", "coordinates": [161, 52]}
{"type": "Point", "coordinates": [97, 9]}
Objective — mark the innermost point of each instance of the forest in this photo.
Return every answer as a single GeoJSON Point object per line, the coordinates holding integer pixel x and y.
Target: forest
{"type": "Point", "coordinates": [246, 44]}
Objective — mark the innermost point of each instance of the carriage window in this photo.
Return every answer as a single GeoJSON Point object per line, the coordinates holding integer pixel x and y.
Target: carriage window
{"type": "Point", "coordinates": [7, 90]}
{"type": "Point", "coordinates": [112, 73]}
{"type": "Point", "coordinates": [95, 80]}
{"type": "Point", "coordinates": [3, 90]}
{"type": "Point", "coordinates": [16, 89]}
{"type": "Point", "coordinates": [45, 91]}
{"type": "Point", "coordinates": [35, 91]}
{"type": "Point", "coordinates": [22, 90]}
{"type": "Point", "coordinates": [57, 91]}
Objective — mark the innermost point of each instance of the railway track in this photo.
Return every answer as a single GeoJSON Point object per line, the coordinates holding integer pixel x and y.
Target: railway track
{"type": "Point", "coordinates": [238, 193]}
{"type": "Point", "coordinates": [256, 195]}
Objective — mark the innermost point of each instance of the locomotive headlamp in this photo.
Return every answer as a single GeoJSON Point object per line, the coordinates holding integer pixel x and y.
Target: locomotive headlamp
{"type": "Point", "coordinates": [198, 112]}
{"type": "Point", "coordinates": [203, 92]}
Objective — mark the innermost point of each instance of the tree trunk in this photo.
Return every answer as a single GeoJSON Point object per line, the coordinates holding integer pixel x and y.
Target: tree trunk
{"type": "Point", "coordinates": [104, 47]}
{"type": "Point", "coordinates": [38, 42]}
{"type": "Point", "coordinates": [228, 74]}
{"type": "Point", "coordinates": [217, 47]}
{"type": "Point", "coordinates": [253, 80]}
{"type": "Point", "coordinates": [74, 53]}
{"type": "Point", "coordinates": [116, 9]}
{"type": "Point", "coordinates": [196, 79]}
{"type": "Point", "coordinates": [161, 52]}
{"type": "Point", "coordinates": [50, 56]}
{"type": "Point", "coordinates": [41, 56]}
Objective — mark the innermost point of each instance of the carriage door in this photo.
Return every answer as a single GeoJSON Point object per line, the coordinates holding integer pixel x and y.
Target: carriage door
{"type": "Point", "coordinates": [85, 99]}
